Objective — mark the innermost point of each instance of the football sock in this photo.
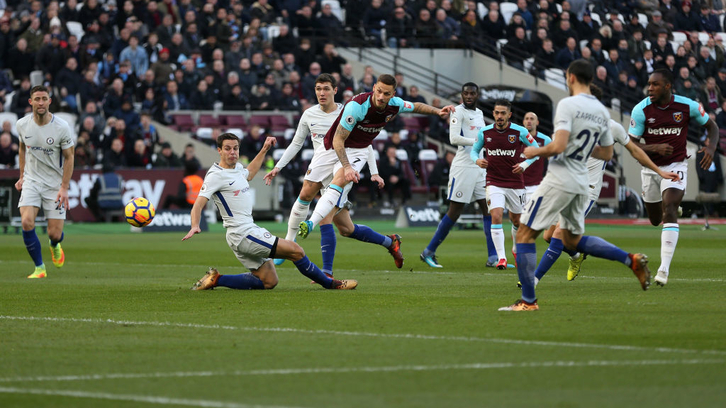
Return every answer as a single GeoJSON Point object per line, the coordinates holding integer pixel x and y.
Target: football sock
{"type": "Point", "coordinates": [240, 281]}
{"type": "Point", "coordinates": [329, 200]}
{"type": "Point", "coordinates": [526, 259]}
{"type": "Point", "coordinates": [668, 241]}
{"type": "Point", "coordinates": [514, 238]}
{"type": "Point", "coordinates": [602, 249]}
{"type": "Point", "coordinates": [498, 238]}
{"type": "Point", "coordinates": [32, 244]}
{"type": "Point", "coordinates": [549, 258]}
{"type": "Point", "coordinates": [327, 246]}
{"type": "Point", "coordinates": [365, 234]}
{"type": "Point", "coordinates": [440, 235]}
{"type": "Point", "coordinates": [312, 271]}
{"type": "Point", "coordinates": [491, 250]}
{"type": "Point", "coordinates": [298, 214]}
{"type": "Point", "coordinates": [55, 243]}
{"type": "Point", "coordinates": [572, 254]}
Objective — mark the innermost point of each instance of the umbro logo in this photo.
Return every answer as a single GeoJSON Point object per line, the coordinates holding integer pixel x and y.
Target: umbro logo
{"type": "Point", "coordinates": [651, 120]}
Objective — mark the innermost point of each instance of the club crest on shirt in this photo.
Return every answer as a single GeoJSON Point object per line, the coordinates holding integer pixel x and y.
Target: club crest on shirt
{"type": "Point", "coordinates": [309, 171]}
{"type": "Point", "coordinates": [49, 140]}
{"type": "Point", "coordinates": [350, 120]}
{"type": "Point", "coordinates": [459, 194]}
{"type": "Point", "coordinates": [454, 121]}
{"type": "Point", "coordinates": [678, 116]}
{"type": "Point", "coordinates": [389, 117]}
{"type": "Point", "coordinates": [512, 138]}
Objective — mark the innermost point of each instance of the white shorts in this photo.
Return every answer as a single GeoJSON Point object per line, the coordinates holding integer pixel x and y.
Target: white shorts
{"type": "Point", "coordinates": [467, 184]}
{"type": "Point", "coordinates": [654, 185]}
{"type": "Point", "coordinates": [320, 169]}
{"type": "Point", "coordinates": [252, 246]}
{"type": "Point", "coordinates": [529, 190]}
{"type": "Point", "coordinates": [513, 198]}
{"type": "Point", "coordinates": [357, 157]}
{"type": "Point", "coordinates": [548, 206]}
{"type": "Point", "coordinates": [36, 195]}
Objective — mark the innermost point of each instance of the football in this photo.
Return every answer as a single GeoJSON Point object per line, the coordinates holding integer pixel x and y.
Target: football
{"type": "Point", "coordinates": [139, 212]}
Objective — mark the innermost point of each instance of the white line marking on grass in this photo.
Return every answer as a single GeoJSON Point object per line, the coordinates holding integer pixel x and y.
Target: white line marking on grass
{"type": "Point", "coordinates": [369, 334]}
{"type": "Point", "coordinates": [343, 370]}
{"type": "Point", "coordinates": [131, 397]}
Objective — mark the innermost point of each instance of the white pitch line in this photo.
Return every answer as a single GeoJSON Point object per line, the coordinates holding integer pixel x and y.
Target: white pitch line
{"type": "Point", "coordinates": [370, 334]}
{"type": "Point", "coordinates": [344, 370]}
{"type": "Point", "coordinates": [134, 398]}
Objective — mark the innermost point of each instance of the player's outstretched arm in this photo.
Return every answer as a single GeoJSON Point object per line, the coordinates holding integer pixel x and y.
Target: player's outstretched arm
{"type": "Point", "coordinates": [425, 109]}
{"type": "Point", "coordinates": [21, 164]}
{"type": "Point", "coordinates": [293, 149]}
{"type": "Point", "coordinates": [709, 150]}
{"type": "Point", "coordinates": [602, 152]}
{"type": "Point", "coordinates": [196, 217]}
{"type": "Point", "coordinates": [642, 158]}
{"type": "Point", "coordinates": [271, 175]}
{"type": "Point", "coordinates": [558, 145]}
{"type": "Point", "coordinates": [256, 163]}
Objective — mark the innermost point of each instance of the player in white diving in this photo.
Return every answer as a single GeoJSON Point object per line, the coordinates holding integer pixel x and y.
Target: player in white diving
{"type": "Point", "coordinates": [595, 171]}
{"type": "Point", "coordinates": [45, 159]}
{"type": "Point", "coordinates": [581, 122]}
{"type": "Point", "coordinates": [316, 121]}
{"type": "Point", "coordinates": [227, 183]}
{"type": "Point", "coordinates": [467, 182]}
{"type": "Point", "coordinates": [659, 125]}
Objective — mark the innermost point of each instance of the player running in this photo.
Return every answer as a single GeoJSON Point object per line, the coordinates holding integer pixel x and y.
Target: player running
{"type": "Point", "coordinates": [661, 121]}
{"type": "Point", "coordinates": [45, 160]}
{"type": "Point", "coordinates": [581, 122]}
{"type": "Point", "coordinates": [467, 182]}
{"type": "Point", "coordinates": [362, 119]}
{"type": "Point", "coordinates": [227, 183]}
{"type": "Point", "coordinates": [504, 142]}
{"type": "Point", "coordinates": [316, 121]}
{"type": "Point", "coordinates": [595, 171]}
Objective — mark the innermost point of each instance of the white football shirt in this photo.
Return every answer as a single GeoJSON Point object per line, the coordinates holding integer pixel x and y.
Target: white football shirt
{"type": "Point", "coordinates": [588, 122]}
{"type": "Point", "coordinates": [596, 167]}
{"type": "Point", "coordinates": [463, 130]}
{"type": "Point", "coordinates": [231, 193]}
{"type": "Point", "coordinates": [43, 149]}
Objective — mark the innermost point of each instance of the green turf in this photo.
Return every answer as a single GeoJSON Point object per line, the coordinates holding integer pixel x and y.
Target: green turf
{"type": "Point", "coordinates": [119, 327]}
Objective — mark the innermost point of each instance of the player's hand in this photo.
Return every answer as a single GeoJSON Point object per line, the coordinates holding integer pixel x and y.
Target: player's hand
{"type": "Point", "coordinates": [670, 175]}
{"type": "Point", "coordinates": [192, 231]}
{"type": "Point", "coordinates": [62, 198]}
{"type": "Point", "coordinates": [19, 184]}
{"type": "Point", "coordinates": [269, 142]}
{"type": "Point", "coordinates": [446, 110]}
{"type": "Point", "coordinates": [378, 180]}
{"type": "Point", "coordinates": [483, 163]}
{"type": "Point", "coordinates": [708, 153]}
{"type": "Point", "coordinates": [351, 175]}
{"type": "Point", "coordinates": [271, 175]}
{"type": "Point", "coordinates": [517, 169]}
{"type": "Point", "coordinates": [664, 149]}
{"type": "Point", "coordinates": [531, 151]}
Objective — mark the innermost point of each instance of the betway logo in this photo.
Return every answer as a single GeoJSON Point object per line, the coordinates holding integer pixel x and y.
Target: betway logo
{"type": "Point", "coordinates": [169, 219]}
{"type": "Point", "coordinates": [501, 152]}
{"type": "Point", "coordinates": [81, 189]}
{"type": "Point", "coordinates": [369, 129]}
{"type": "Point", "coordinates": [427, 215]}
{"type": "Point", "coordinates": [664, 131]}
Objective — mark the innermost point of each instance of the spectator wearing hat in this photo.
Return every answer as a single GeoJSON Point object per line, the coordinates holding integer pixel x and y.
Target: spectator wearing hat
{"type": "Point", "coordinates": [167, 158]}
{"type": "Point", "coordinates": [709, 21]}
{"type": "Point", "coordinates": [128, 78]}
{"type": "Point", "coordinates": [721, 82]}
{"type": "Point", "coordinates": [657, 26]}
{"type": "Point", "coordinates": [668, 10]}
{"type": "Point", "coordinates": [586, 28]}
{"type": "Point", "coordinates": [687, 19]}
{"type": "Point", "coordinates": [128, 114]}
{"type": "Point", "coordinates": [162, 68]}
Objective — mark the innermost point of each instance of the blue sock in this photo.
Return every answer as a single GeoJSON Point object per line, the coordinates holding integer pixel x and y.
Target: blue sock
{"type": "Point", "coordinates": [549, 258]}
{"type": "Point", "coordinates": [55, 243]}
{"type": "Point", "coordinates": [32, 244]}
{"type": "Point", "coordinates": [364, 234]}
{"type": "Point", "coordinates": [312, 271]}
{"type": "Point", "coordinates": [327, 246]}
{"type": "Point", "coordinates": [491, 250]}
{"type": "Point", "coordinates": [569, 252]}
{"type": "Point", "coordinates": [440, 235]}
{"type": "Point", "coordinates": [600, 248]}
{"type": "Point", "coordinates": [526, 260]}
{"type": "Point", "coordinates": [241, 281]}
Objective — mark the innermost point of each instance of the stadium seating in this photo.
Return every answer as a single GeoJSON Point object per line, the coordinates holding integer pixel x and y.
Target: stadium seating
{"type": "Point", "coordinates": [279, 124]}
{"type": "Point", "coordinates": [237, 121]}
{"type": "Point", "coordinates": [210, 121]}
{"type": "Point", "coordinates": [427, 159]}
{"type": "Point", "coordinates": [183, 122]}
{"type": "Point", "coordinates": [260, 120]}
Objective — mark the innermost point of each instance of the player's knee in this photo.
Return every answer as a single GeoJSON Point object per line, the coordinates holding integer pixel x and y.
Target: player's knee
{"type": "Point", "coordinates": [28, 224]}
{"type": "Point", "coordinates": [55, 235]}
{"type": "Point", "coordinates": [297, 253]}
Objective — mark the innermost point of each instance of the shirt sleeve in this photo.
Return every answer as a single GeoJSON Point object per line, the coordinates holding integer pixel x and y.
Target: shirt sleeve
{"type": "Point", "coordinates": [66, 138]}
{"type": "Point", "coordinates": [527, 139]}
{"type": "Point", "coordinates": [352, 113]}
{"type": "Point", "coordinates": [210, 186]}
{"type": "Point", "coordinates": [618, 132]}
{"type": "Point", "coordinates": [698, 113]}
{"type": "Point", "coordinates": [563, 117]}
{"type": "Point", "coordinates": [403, 106]}
{"type": "Point", "coordinates": [455, 135]}
{"type": "Point", "coordinates": [372, 165]}
{"type": "Point", "coordinates": [478, 145]}
{"type": "Point", "coordinates": [637, 121]}
{"type": "Point", "coordinates": [547, 140]}
{"type": "Point", "coordinates": [303, 130]}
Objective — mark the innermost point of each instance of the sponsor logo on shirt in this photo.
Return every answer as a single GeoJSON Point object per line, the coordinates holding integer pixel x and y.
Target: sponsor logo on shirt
{"type": "Point", "coordinates": [501, 152]}
{"type": "Point", "coordinates": [664, 131]}
{"type": "Point", "coordinates": [407, 105]}
{"type": "Point", "coordinates": [369, 130]}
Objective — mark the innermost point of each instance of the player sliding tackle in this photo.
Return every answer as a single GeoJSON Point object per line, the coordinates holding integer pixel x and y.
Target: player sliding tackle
{"type": "Point", "coordinates": [227, 182]}
{"type": "Point", "coordinates": [581, 122]}
{"type": "Point", "coordinates": [595, 170]}
{"type": "Point", "coordinates": [361, 120]}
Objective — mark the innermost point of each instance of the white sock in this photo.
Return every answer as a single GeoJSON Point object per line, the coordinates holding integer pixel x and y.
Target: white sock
{"type": "Point", "coordinates": [514, 239]}
{"type": "Point", "coordinates": [298, 214]}
{"type": "Point", "coordinates": [668, 241]}
{"type": "Point", "coordinates": [325, 205]}
{"type": "Point", "coordinates": [576, 256]}
{"type": "Point", "coordinates": [498, 238]}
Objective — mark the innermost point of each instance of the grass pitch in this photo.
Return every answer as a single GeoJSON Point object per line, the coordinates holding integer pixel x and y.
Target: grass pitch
{"type": "Point", "coordinates": [119, 327]}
